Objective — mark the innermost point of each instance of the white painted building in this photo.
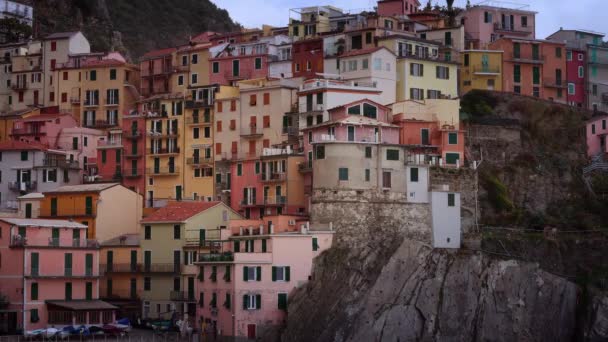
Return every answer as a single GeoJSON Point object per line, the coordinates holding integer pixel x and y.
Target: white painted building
{"type": "Point", "coordinates": [417, 183]}
{"type": "Point", "coordinates": [445, 209]}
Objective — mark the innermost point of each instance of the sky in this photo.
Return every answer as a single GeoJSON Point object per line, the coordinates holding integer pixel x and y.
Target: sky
{"type": "Point", "coordinates": [552, 14]}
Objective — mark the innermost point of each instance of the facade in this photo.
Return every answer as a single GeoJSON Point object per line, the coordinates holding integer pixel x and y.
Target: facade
{"type": "Point", "coordinates": [481, 69]}
{"type": "Point", "coordinates": [432, 128]}
{"type": "Point", "coordinates": [226, 119]}
{"type": "Point", "coordinates": [596, 136]}
{"type": "Point", "coordinates": [308, 22]}
{"type": "Point", "coordinates": [307, 58]}
{"type": "Point", "coordinates": [486, 24]}
{"type": "Point", "coordinates": [108, 210]}
{"type": "Point", "coordinates": [31, 167]}
{"type": "Point", "coordinates": [533, 68]}
{"type": "Point", "coordinates": [170, 240]}
{"type": "Point", "coordinates": [155, 70]}
{"type": "Point", "coordinates": [451, 39]}
{"type": "Point", "coordinates": [52, 278]}
{"type": "Point", "coordinates": [44, 129]}
{"type": "Point", "coordinates": [398, 7]}
{"type": "Point", "coordinates": [27, 81]}
{"type": "Point", "coordinates": [134, 146]}
{"type": "Point", "coordinates": [79, 144]}
{"type": "Point", "coordinates": [245, 283]}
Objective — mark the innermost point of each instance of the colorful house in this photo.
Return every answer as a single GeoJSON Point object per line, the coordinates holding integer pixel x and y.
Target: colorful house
{"type": "Point", "coordinates": [596, 136]}
{"type": "Point", "coordinates": [398, 7]}
{"type": "Point", "coordinates": [533, 67]}
{"type": "Point", "coordinates": [134, 146]}
{"type": "Point", "coordinates": [245, 282]}
{"type": "Point", "coordinates": [155, 69]}
{"type": "Point", "coordinates": [43, 129]}
{"type": "Point", "coordinates": [170, 240]}
{"type": "Point", "coordinates": [7, 121]}
{"type": "Point", "coordinates": [226, 119]}
{"type": "Point", "coordinates": [52, 277]}
{"type": "Point", "coordinates": [308, 22]}
{"type": "Point", "coordinates": [481, 69]}
{"type": "Point", "coordinates": [432, 128]}
{"type": "Point", "coordinates": [485, 24]}
{"type": "Point", "coordinates": [27, 78]}
{"type": "Point", "coordinates": [121, 282]}
{"type": "Point", "coordinates": [307, 57]}
{"type": "Point", "coordinates": [107, 209]}
{"type": "Point", "coordinates": [79, 144]}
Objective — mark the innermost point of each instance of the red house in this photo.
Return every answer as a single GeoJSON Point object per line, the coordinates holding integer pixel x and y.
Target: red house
{"type": "Point", "coordinates": [307, 57]}
{"type": "Point", "coordinates": [575, 73]}
{"type": "Point", "coordinates": [134, 144]}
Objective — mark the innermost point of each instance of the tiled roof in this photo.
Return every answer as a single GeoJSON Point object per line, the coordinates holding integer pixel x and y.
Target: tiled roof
{"type": "Point", "coordinates": [123, 240]}
{"type": "Point", "coordinates": [83, 188]}
{"type": "Point", "coordinates": [158, 53]}
{"type": "Point", "coordinates": [103, 63]}
{"type": "Point", "coordinates": [179, 211]}
{"type": "Point", "coordinates": [32, 195]}
{"type": "Point", "coordinates": [61, 35]}
{"type": "Point", "coordinates": [43, 223]}
{"type": "Point", "coordinates": [13, 145]}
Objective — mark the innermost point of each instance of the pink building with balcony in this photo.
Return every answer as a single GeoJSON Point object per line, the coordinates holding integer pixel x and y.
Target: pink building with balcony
{"type": "Point", "coordinates": [50, 275]}
{"type": "Point", "coordinates": [43, 128]}
{"type": "Point", "coordinates": [245, 282]}
{"type": "Point", "coordinates": [596, 136]}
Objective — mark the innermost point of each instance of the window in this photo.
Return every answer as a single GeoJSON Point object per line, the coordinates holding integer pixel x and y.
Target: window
{"type": "Point", "coordinates": [343, 174]}
{"type": "Point", "coordinates": [536, 75]}
{"type": "Point", "coordinates": [416, 94]}
{"type": "Point", "coordinates": [53, 46]}
{"type": "Point", "coordinates": [239, 169]}
{"type": "Point", "coordinates": [34, 291]}
{"type": "Point", "coordinates": [524, 23]}
{"type": "Point", "coordinates": [453, 138]}
{"type": "Point", "coordinates": [147, 232]}
{"type": "Point", "coordinates": [281, 273]}
{"type": "Point", "coordinates": [369, 37]}
{"type": "Point", "coordinates": [536, 91]}
{"type": "Point", "coordinates": [466, 60]}
{"type": "Point", "coordinates": [282, 301]}
{"type": "Point", "coordinates": [517, 89]}
{"type": "Point", "coordinates": [392, 154]}
{"type": "Point", "coordinates": [195, 58]}
{"type": "Point", "coordinates": [252, 273]}
{"type": "Point", "coordinates": [452, 158]}
{"type": "Point", "coordinates": [252, 302]}
{"type": "Point", "coordinates": [320, 152]}
{"type": "Point", "coordinates": [180, 80]}
{"type": "Point", "coordinates": [112, 74]}
{"type": "Point", "coordinates": [433, 94]}
{"type": "Point", "coordinates": [580, 56]}
{"type": "Point", "coordinates": [593, 129]}
{"type": "Point", "coordinates": [253, 100]}
{"type": "Point", "coordinates": [194, 78]}
{"type": "Point", "coordinates": [34, 318]}
{"type": "Point", "coordinates": [569, 56]}
{"type": "Point", "coordinates": [571, 89]}
{"type": "Point", "coordinates": [93, 75]}
{"type": "Point", "coordinates": [386, 179]}
{"type": "Point", "coordinates": [24, 155]}
{"type": "Point", "coordinates": [68, 291]}
{"type": "Point", "coordinates": [414, 174]}
{"type": "Point", "coordinates": [367, 175]}
{"type": "Point", "coordinates": [487, 17]}
{"type": "Point", "coordinates": [581, 72]}
{"type": "Point", "coordinates": [308, 66]}
{"type": "Point", "coordinates": [147, 283]}
{"type": "Point", "coordinates": [558, 52]}
{"type": "Point", "coordinates": [517, 73]}
{"type": "Point", "coordinates": [443, 73]}
{"type": "Point", "coordinates": [258, 63]}
{"type": "Point", "coordinates": [176, 232]}
{"type": "Point", "coordinates": [368, 151]}
{"type": "Point", "coordinates": [216, 67]}
{"type": "Point", "coordinates": [370, 111]}
{"type": "Point", "coordinates": [451, 200]}
{"type": "Point", "coordinates": [365, 64]}
{"type": "Point", "coordinates": [354, 110]}
{"type": "Point", "coordinates": [417, 69]}
{"type": "Point", "coordinates": [266, 98]}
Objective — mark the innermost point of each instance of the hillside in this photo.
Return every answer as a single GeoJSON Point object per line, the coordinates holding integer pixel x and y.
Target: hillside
{"type": "Point", "coordinates": [134, 26]}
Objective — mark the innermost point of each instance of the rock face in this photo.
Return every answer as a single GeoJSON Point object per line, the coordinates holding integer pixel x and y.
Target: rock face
{"type": "Point", "coordinates": [415, 293]}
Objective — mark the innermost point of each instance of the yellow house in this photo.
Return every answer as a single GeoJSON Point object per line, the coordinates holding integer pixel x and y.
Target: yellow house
{"type": "Point", "coordinates": [481, 69]}
{"type": "Point", "coordinates": [7, 121]}
{"type": "Point", "coordinates": [422, 70]}
{"type": "Point", "coordinates": [191, 68]}
{"type": "Point", "coordinates": [109, 90]}
{"type": "Point", "coordinates": [171, 239]}
{"type": "Point", "coordinates": [108, 209]}
{"type": "Point", "coordinates": [165, 157]}
{"type": "Point", "coordinates": [120, 267]}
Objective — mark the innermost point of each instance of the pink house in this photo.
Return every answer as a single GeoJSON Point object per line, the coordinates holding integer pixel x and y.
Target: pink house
{"type": "Point", "coordinates": [245, 282]}
{"type": "Point", "coordinates": [397, 7]}
{"type": "Point", "coordinates": [43, 128]}
{"type": "Point", "coordinates": [50, 275]}
{"type": "Point", "coordinates": [596, 136]}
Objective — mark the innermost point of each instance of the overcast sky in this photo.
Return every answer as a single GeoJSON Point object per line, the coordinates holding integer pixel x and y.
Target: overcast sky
{"type": "Point", "coordinates": [552, 14]}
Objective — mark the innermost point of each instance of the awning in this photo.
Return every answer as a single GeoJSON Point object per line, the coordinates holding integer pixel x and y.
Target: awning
{"type": "Point", "coordinates": [82, 305]}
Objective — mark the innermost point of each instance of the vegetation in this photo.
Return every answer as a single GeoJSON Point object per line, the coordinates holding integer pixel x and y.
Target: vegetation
{"type": "Point", "coordinates": [14, 30]}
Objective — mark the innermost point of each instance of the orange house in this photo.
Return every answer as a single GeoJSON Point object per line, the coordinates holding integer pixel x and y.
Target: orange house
{"type": "Point", "coordinates": [108, 209]}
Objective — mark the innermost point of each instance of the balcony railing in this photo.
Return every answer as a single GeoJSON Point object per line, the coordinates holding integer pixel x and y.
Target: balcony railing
{"type": "Point", "coordinates": [510, 28]}
{"type": "Point", "coordinates": [75, 100]}
{"type": "Point", "coordinates": [241, 75]}
{"type": "Point", "coordinates": [305, 167]}
{"type": "Point", "coordinates": [19, 86]}
{"type": "Point", "coordinates": [165, 134]}
{"type": "Point", "coordinates": [69, 212]}
{"type": "Point", "coordinates": [109, 143]}
{"type": "Point", "coordinates": [163, 171]}
{"type": "Point", "coordinates": [161, 268]}
{"type": "Point", "coordinates": [248, 202]}
{"type": "Point", "coordinates": [62, 164]}
{"type": "Point", "coordinates": [528, 58]}
{"type": "Point", "coordinates": [216, 257]}
{"type": "Point", "coordinates": [100, 123]}
{"type": "Point", "coordinates": [252, 132]}
{"type": "Point", "coordinates": [554, 83]}
{"type": "Point", "coordinates": [273, 177]}
{"type": "Point", "coordinates": [133, 173]}
{"type": "Point", "coordinates": [111, 102]}
{"type": "Point", "coordinates": [121, 268]}
{"type": "Point", "coordinates": [22, 186]}
{"type": "Point", "coordinates": [488, 70]}
{"type": "Point", "coordinates": [27, 131]}
{"type": "Point", "coordinates": [118, 293]}
{"type": "Point", "coordinates": [68, 243]}
{"type": "Point", "coordinates": [91, 103]}
{"type": "Point", "coordinates": [199, 161]}
{"type": "Point", "coordinates": [173, 150]}
{"type": "Point", "coordinates": [67, 272]}
{"type": "Point", "coordinates": [132, 133]}
{"type": "Point", "coordinates": [277, 200]}
{"type": "Point", "coordinates": [192, 104]}
{"type": "Point", "coordinates": [198, 120]}
{"type": "Point", "coordinates": [182, 296]}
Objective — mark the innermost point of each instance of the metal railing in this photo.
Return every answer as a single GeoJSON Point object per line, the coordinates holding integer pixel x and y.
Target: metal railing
{"type": "Point", "coordinates": [132, 133]}
{"type": "Point", "coordinates": [22, 186]}
{"type": "Point", "coordinates": [101, 123]}
{"type": "Point", "coordinates": [182, 296]}
{"type": "Point", "coordinates": [163, 171]}
{"type": "Point", "coordinates": [277, 200]}
{"type": "Point", "coordinates": [251, 132]}
{"type": "Point", "coordinates": [63, 164]}
{"type": "Point", "coordinates": [273, 177]}
{"type": "Point", "coordinates": [121, 268]}
{"type": "Point", "coordinates": [528, 58]}
{"type": "Point", "coordinates": [199, 161]}
{"type": "Point", "coordinates": [197, 120]}
{"type": "Point", "coordinates": [554, 83]}
{"type": "Point", "coordinates": [486, 70]}
{"type": "Point", "coordinates": [174, 150]}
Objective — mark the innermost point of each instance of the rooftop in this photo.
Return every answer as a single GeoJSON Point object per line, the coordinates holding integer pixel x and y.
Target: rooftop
{"type": "Point", "coordinates": [82, 305]}
{"type": "Point", "coordinates": [83, 188]}
{"type": "Point", "coordinates": [32, 195]}
{"type": "Point", "coordinates": [179, 211]}
{"type": "Point", "coordinates": [123, 240]}
{"type": "Point", "coordinates": [22, 222]}
{"type": "Point", "coordinates": [159, 53]}
{"type": "Point", "coordinates": [61, 35]}
{"type": "Point", "coordinates": [13, 145]}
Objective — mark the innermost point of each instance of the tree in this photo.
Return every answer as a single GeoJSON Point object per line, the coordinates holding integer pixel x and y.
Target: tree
{"type": "Point", "coordinates": [14, 30]}
{"type": "Point", "coordinates": [468, 4]}
{"type": "Point", "coordinates": [428, 7]}
{"type": "Point", "coordinates": [451, 13]}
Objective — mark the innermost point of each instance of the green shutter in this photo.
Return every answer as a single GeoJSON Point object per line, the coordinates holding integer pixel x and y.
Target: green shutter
{"type": "Point", "coordinates": [451, 158]}
{"type": "Point", "coordinates": [245, 276]}
{"type": "Point", "coordinates": [259, 273]}
{"type": "Point", "coordinates": [54, 206]}
{"type": "Point", "coordinates": [227, 304]}
{"type": "Point", "coordinates": [245, 302]}
{"type": "Point", "coordinates": [68, 291]}
{"type": "Point", "coordinates": [516, 73]}
{"type": "Point", "coordinates": [133, 261]}
{"type": "Point", "coordinates": [453, 138]}
{"type": "Point", "coordinates": [89, 205]}
{"type": "Point", "coordinates": [89, 291]}
{"type": "Point", "coordinates": [536, 75]}
{"type": "Point", "coordinates": [274, 273]}
{"type": "Point", "coordinates": [424, 137]}
{"type": "Point", "coordinates": [282, 300]}
{"type": "Point", "coordinates": [288, 273]}
{"type": "Point", "coordinates": [258, 301]}
{"type": "Point", "coordinates": [315, 245]}
{"type": "Point", "coordinates": [88, 264]}
{"type": "Point", "coordinates": [414, 174]}
{"type": "Point", "coordinates": [35, 269]}
{"type": "Point", "coordinates": [264, 246]}
{"type": "Point", "coordinates": [451, 200]}
{"type": "Point", "coordinates": [34, 291]}
{"type": "Point", "coordinates": [237, 247]}
{"type": "Point", "coordinates": [201, 300]}
{"type": "Point", "coordinates": [201, 237]}
{"type": "Point", "coordinates": [68, 264]}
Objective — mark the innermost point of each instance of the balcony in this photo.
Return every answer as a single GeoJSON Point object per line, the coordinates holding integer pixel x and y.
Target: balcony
{"type": "Point", "coordinates": [198, 121]}
{"type": "Point", "coordinates": [192, 104]}
{"type": "Point", "coordinates": [66, 273]}
{"type": "Point", "coordinates": [103, 178]}
{"type": "Point", "coordinates": [194, 161]}
{"type": "Point", "coordinates": [216, 257]}
{"type": "Point", "coordinates": [91, 103]}
{"type": "Point", "coordinates": [75, 100]}
{"type": "Point", "coordinates": [273, 177]}
{"type": "Point", "coordinates": [530, 59]}
{"type": "Point", "coordinates": [18, 241]}
{"type": "Point", "coordinates": [251, 132]}
{"type": "Point", "coordinates": [118, 294]}
{"type": "Point", "coordinates": [120, 268]}
{"type": "Point", "coordinates": [605, 98]}
{"type": "Point", "coordinates": [174, 133]}
{"type": "Point", "coordinates": [22, 186]}
{"type": "Point", "coordinates": [242, 75]}
{"type": "Point", "coordinates": [111, 102]}
{"type": "Point", "coordinates": [305, 167]}
{"type": "Point", "coordinates": [100, 124]}
{"type": "Point", "coordinates": [133, 154]}
{"type": "Point", "coordinates": [486, 70]}
{"type": "Point", "coordinates": [277, 200]}
{"type": "Point", "coordinates": [163, 171]}
{"type": "Point", "coordinates": [132, 134]}
{"type": "Point", "coordinates": [504, 27]}
{"type": "Point", "coordinates": [229, 156]}
{"type": "Point", "coordinates": [133, 173]}
{"type": "Point", "coordinates": [160, 151]}
{"type": "Point", "coordinates": [109, 144]}
{"type": "Point", "coordinates": [182, 296]}
{"type": "Point", "coordinates": [19, 86]}
{"type": "Point", "coordinates": [62, 164]}
{"type": "Point", "coordinates": [251, 202]}
{"type": "Point", "coordinates": [554, 83]}
{"type": "Point", "coordinates": [27, 131]}
{"type": "Point", "coordinates": [161, 268]}
{"type": "Point", "coordinates": [68, 212]}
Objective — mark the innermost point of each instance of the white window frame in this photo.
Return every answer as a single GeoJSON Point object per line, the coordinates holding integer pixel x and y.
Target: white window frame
{"type": "Point", "coordinates": [249, 272]}
{"type": "Point", "coordinates": [252, 302]}
{"type": "Point", "coordinates": [581, 71]}
{"type": "Point", "coordinates": [573, 89]}
{"type": "Point", "coordinates": [192, 81]}
{"type": "Point", "coordinates": [580, 56]}
{"type": "Point", "coordinates": [192, 58]}
{"type": "Point", "coordinates": [283, 273]}
{"type": "Point", "coordinates": [417, 70]}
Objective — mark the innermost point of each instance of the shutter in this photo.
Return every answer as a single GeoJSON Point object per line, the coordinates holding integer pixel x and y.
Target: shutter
{"type": "Point", "coordinates": [264, 246]}
{"type": "Point", "coordinates": [315, 246]}
{"type": "Point", "coordinates": [201, 236]}
{"type": "Point", "coordinates": [245, 269]}
{"type": "Point", "coordinates": [259, 273]}
{"type": "Point", "coordinates": [237, 247]}
{"type": "Point", "coordinates": [287, 273]}
{"type": "Point", "coordinates": [274, 273]}
{"type": "Point", "coordinates": [201, 302]}
{"type": "Point", "coordinates": [258, 301]}
{"type": "Point", "coordinates": [34, 294]}
{"type": "Point", "coordinates": [245, 302]}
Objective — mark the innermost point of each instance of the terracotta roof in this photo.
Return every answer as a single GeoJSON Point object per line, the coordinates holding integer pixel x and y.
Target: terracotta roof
{"type": "Point", "coordinates": [83, 188]}
{"type": "Point", "coordinates": [82, 305]}
{"type": "Point", "coordinates": [32, 195]}
{"type": "Point", "coordinates": [361, 52]}
{"type": "Point", "coordinates": [179, 211]}
{"type": "Point", "coordinates": [158, 53]}
{"type": "Point", "coordinates": [13, 145]}
{"type": "Point", "coordinates": [127, 240]}
{"type": "Point", "coordinates": [103, 63]}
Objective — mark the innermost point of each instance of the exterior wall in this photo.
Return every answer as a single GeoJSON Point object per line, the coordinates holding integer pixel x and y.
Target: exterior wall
{"type": "Point", "coordinates": [118, 212]}
{"type": "Point", "coordinates": [199, 176]}
{"type": "Point", "coordinates": [247, 70]}
{"type": "Point", "coordinates": [428, 81]}
{"type": "Point", "coordinates": [226, 119]}
{"type": "Point", "coordinates": [597, 75]}
{"type": "Point", "coordinates": [397, 7]}
{"type": "Point", "coordinates": [418, 190]}
{"type": "Point", "coordinates": [72, 205]}
{"type": "Point", "coordinates": [156, 74]}
{"type": "Point", "coordinates": [305, 53]}
{"type": "Point", "coordinates": [483, 33]}
{"type": "Point", "coordinates": [476, 75]}
{"type": "Point", "coordinates": [134, 150]}
{"type": "Point", "coordinates": [455, 45]}
{"type": "Point", "coordinates": [444, 112]}
{"type": "Point", "coordinates": [42, 129]}
{"type": "Point", "coordinates": [575, 60]}
{"type": "Point", "coordinates": [121, 282]}
{"type": "Point", "coordinates": [29, 90]}
{"type": "Point", "coordinates": [596, 136]}
{"type": "Point", "coordinates": [200, 68]}
{"type": "Point", "coordinates": [446, 220]}
{"type": "Point", "coordinates": [87, 144]}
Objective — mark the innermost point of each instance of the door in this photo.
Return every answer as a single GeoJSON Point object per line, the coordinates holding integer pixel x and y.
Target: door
{"type": "Point", "coordinates": [76, 237]}
{"type": "Point", "coordinates": [351, 133]}
{"type": "Point", "coordinates": [236, 68]}
{"type": "Point", "coordinates": [28, 210]}
{"type": "Point", "coordinates": [89, 264]}
{"type": "Point", "coordinates": [133, 288]}
{"type": "Point", "coordinates": [54, 206]}
{"type": "Point", "coordinates": [425, 136]}
{"type": "Point", "coordinates": [55, 238]}
{"type": "Point", "coordinates": [110, 260]}
{"type": "Point", "coordinates": [134, 166]}
{"type": "Point", "coordinates": [251, 331]}
{"type": "Point", "coordinates": [178, 192]}
{"type": "Point", "coordinates": [35, 268]}
{"type": "Point", "coordinates": [309, 103]}
{"type": "Point", "coordinates": [89, 205]}
{"type": "Point", "coordinates": [190, 288]}
{"type": "Point", "coordinates": [133, 261]}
